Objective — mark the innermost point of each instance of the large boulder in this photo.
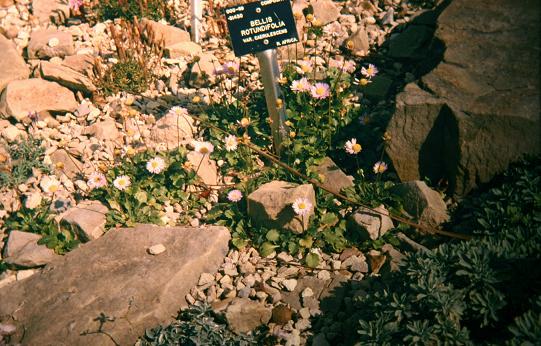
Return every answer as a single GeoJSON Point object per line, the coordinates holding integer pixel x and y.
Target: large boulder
{"type": "Point", "coordinates": [12, 65]}
{"type": "Point", "coordinates": [35, 95]}
{"type": "Point", "coordinates": [334, 179]}
{"type": "Point", "coordinates": [478, 109]}
{"type": "Point", "coordinates": [370, 223]}
{"type": "Point", "coordinates": [112, 288]}
{"type": "Point", "coordinates": [170, 35]}
{"type": "Point", "coordinates": [271, 205]}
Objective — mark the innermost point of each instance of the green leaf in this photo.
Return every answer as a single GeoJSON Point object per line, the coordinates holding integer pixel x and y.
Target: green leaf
{"type": "Point", "coordinates": [266, 249]}
{"type": "Point", "coordinates": [273, 235]}
{"type": "Point", "coordinates": [329, 219]}
{"type": "Point", "coordinates": [306, 242]}
{"type": "Point", "coordinates": [141, 196]}
{"type": "Point", "coordinates": [239, 243]}
{"type": "Point", "coordinates": [312, 260]}
{"type": "Point", "coordinates": [114, 204]}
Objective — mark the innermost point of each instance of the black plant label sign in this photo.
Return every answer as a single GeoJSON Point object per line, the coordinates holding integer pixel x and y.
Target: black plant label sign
{"type": "Point", "coordinates": [261, 25]}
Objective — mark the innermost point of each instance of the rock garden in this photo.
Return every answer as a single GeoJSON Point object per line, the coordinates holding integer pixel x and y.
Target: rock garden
{"type": "Point", "coordinates": [145, 199]}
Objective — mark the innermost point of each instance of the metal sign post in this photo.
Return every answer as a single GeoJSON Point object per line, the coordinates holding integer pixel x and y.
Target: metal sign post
{"type": "Point", "coordinates": [270, 72]}
{"type": "Point", "coordinates": [259, 27]}
{"type": "Point", "coordinates": [196, 17]}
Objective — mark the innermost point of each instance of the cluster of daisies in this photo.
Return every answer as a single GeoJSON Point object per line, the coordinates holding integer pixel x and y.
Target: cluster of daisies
{"type": "Point", "coordinates": [353, 148]}
{"type": "Point", "coordinates": [367, 73]}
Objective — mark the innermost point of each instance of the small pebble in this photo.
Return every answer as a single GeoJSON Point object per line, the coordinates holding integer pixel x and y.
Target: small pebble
{"type": "Point", "coordinates": [156, 249]}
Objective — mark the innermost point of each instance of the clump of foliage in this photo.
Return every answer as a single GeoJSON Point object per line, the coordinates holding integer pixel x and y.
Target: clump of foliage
{"type": "Point", "coordinates": [128, 9]}
{"type": "Point", "coordinates": [144, 199]}
{"type": "Point", "coordinates": [139, 54]}
{"type": "Point", "coordinates": [483, 290]}
{"type": "Point", "coordinates": [41, 221]}
{"type": "Point", "coordinates": [194, 326]}
{"type": "Point", "coordinates": [26, 156]}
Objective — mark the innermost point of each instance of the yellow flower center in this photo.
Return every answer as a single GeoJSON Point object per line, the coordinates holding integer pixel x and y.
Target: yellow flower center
{"type": "Point", "coordinates": [203, 150]}
{"type": "Point", "coordinates": [301, 206]}
{"type": "Point", "coordinates": [53, 188]}
{"type": "Point", "coordinates": [356, 147]}
{"type": "Point", "coordinates": [364, 81]}
{"type": "Point", "coordinates": [320, 91]}
{"type": "Point", "coordinates": [370, 71]}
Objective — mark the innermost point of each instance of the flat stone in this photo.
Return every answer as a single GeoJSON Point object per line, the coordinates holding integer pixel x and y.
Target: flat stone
{"type": "Point", "coordinates": [22, 250]}
{"type": "Point", "coordinates": [113, 276]}
{"type": "Point", "coordinates": [157, 249]}
{"type": "Point", "coordinates": [47, 11]}
{"type": "Point", "coordinates": [81, 63]}
{"type": "Point", "coordinates": [325, 11]}
{"type": "Point", "coordinates": [208, 170]}
{"type": "Point", "coordinates": [40, 47]}
{"type": "Point", "coordinates": [71, 166]}
{"type": "Point", "coordinates": [271, 205]}
{"type": "Point", "coordinates": [13, 66]}
{"type": "Point", "coordinates": [422, 202]}
{"type": "Point", "coordinates": [169, 34]}
{"type": "Point", "coordinates": [104, 130]}
{"type": "Point", "coordinates": [361, 44]}
{"type": "Point", "coordinates": [370, 224]}
{"type": "Point", "coordinates": [244, 315]}
{"type": "Point", "coordinates": [87, 219]}
{"type": "Point", "coordinates": [183, 49]}
{"type": "Point", "coordinates": [173, 130]}
{"type": "Point", "coordinates": [66, 77]}
{"type": "Point", "coordinates": [334, 178]}
{"type": "Point", "coordinates": [35, 95]}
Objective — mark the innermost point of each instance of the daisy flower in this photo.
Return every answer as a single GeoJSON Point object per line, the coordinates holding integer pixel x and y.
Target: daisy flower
{"type": "Point", "coordinates": [302, 206]}
{"type": "Point", "coordinates": [301, 85]}
{"type": "Point", "coordinates": [229, 68]}
{"type": "Point", "coordinates": [234, 195]}
{"type": "Point", "coordinates": [244, 122]}
{"type": "Point", "coordinates": [305, 66]}
{"type": "Point", "coordinates": [122, 182]}
{"type": "Point", "coordinates": [155, 165]}
{"type": "Point", "coordinates": [231, 143]}
{"type": "Point", "coordinates": [380, 167]}
{"type": "Point", "coordinates": [178, 111]}
{"type": "Point", "coordinates": [346, 66]}
{"type": "Point", "coordinates": [352, 147]}
{"type": "Point", "coordinates": [320, 91]}
{"type": "Point", "coordinates": [370, 71]}
{"type": "Point", "coordinates": [50, 185]}
{"type": "Point", "coordinates": [203, 147]}
{"type": "Point", "coordinates": [75, 4]}
{"type": "Point", "coordinates": [96, 180]}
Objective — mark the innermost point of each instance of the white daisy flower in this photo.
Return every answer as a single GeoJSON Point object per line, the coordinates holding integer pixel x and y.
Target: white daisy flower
{"type": "Point", "coordinates": [203, 147]}
{"type": "Point", "coordinates": [155, 165]}
{"type": "Point", "coordinates": [380, 167]}
{"type": "Point", "coordinates": [96, 180]}
{"type": "Point", "coordinates": [122, 182]}
{"type": "Point", "coordinates": [370, 71]}
{"type": "Point", "coordinates": [302, 206]}
{"type": "Point", "coordinates": [231, 143]}
{"type": "Point", "coordinates": [352, 147]}
{"type": "Point", "coordinates": [234, 195]}
{"type": "Point", "coordinates": [178, 111]}
{"type": "Point", "coordinates": [50, 185]}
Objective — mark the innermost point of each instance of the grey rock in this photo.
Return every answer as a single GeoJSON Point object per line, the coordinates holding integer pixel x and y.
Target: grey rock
{"type": "Point", "coordinates": [173, 129]}
{"type": "Point", "coordinates": [325, 11]}
{"type": "Point", "coordinates": [12, 63]}
{"type": "Point", "coordinates": [71, 165]}
{"type": "Point", "coordinates": [361, 45]}
{"type": "Point", "coordinates": [412, 43]}
{"type": "Point", "coordinates": [476, 117]}
{"type": "Point", "coordinates": [35, 95]}
{"type": "Point", "coordinates": [370, 223]}
{"type": "Point", "coordinates": [87, 219]}
{"type": "Point", "coordinates": [104, 130]}
{"type": "Point", "coordinates": [114, 276]}
{"type": "Point", "coordinates": [47, 11]}
{"type": "Point", "coordinates": [379, 88]}
{"type": "Point", "coordinates": [22, 250]}
{"type": "Point", "coordinates": [244, 315]}
{"type": "Point", "coordinates": [271, 205]}
{"type": "Point", "coordinates": [169, 34]}
{"type": "Point", "coordinates": [423, 203]}
{"type": "Point", "coordinates": [334, 178]}
{"type": "Point", "coordinates": [67, 77]}
{"type": "Point", "coordinates": [39, 46]}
